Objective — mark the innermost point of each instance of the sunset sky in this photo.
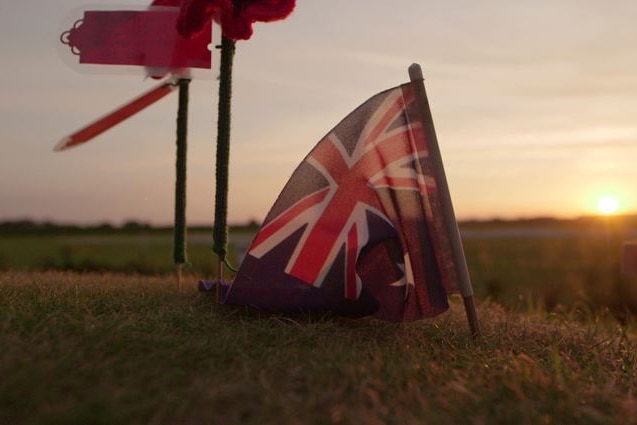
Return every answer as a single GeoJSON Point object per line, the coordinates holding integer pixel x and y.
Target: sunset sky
{"type": "Point", "coordinates": [534, 103]}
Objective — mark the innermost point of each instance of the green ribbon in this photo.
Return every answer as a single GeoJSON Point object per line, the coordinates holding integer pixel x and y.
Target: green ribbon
{"type": "Point", "coordinates": [179, 242]}
{"type": "Point", "coordinates": [220, 229]}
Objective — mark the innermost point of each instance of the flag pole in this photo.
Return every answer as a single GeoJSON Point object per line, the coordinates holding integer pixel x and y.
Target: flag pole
{"type": "Point", "coordinates": [462, 271]}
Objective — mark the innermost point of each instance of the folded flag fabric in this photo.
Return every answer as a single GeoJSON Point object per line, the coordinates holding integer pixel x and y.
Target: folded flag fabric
{"type": "Point", "coordinates": [357, 229]}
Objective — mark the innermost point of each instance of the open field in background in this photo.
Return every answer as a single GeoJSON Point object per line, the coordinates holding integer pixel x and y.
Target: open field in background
{"type": "Point", "coordinates": [103, 348]}
{"type": "Point", "coordinates": [546, 267]}
{"type": "Point", "coordinates": [93, 330]}
{"type": "Point", "coordinates": [143, 253]}
{"type": "Point", "coordinates": [524, 265]}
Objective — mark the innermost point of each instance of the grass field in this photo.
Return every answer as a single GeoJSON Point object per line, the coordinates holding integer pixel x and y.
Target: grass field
{"type": "Point", "coordinates": [93, 330]}
{"type": "Point", "coordinates": [521, 265]}
{"type": "Point", "coordinates": [103, 348]}
{"type": "Point", "coordinates": [142, 253]}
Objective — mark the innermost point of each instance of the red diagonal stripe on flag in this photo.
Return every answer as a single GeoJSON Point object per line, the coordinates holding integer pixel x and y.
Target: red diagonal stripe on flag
{"type": "Point", "coordinates": [388, 117]}
{"type": "Point", "coordinates": [294, 211]}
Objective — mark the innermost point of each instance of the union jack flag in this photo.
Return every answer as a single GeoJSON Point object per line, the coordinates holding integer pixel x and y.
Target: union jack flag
{"type": "Point", "coordinates": [356, 229]}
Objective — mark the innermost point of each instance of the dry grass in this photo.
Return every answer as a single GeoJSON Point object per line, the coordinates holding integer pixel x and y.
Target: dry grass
{"type": "Point", "coordinates": [107, 348]}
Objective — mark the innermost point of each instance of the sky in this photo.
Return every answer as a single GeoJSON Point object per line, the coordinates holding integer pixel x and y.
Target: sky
{"type": "Point", "coordinates": [534, 104]}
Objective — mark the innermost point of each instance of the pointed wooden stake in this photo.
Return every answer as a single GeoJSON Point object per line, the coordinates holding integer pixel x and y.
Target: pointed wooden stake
{"type": "Point", "coordinates": [178, 272]}
{"type": "Point", "coordinates": [219, 281]}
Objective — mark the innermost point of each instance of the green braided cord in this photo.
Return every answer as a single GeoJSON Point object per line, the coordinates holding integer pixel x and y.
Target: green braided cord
{"type": "Point", "coordinates": [220, 229]}
{"type": "Point", "coordinates": [179, 243]}
{"type": "Point", "coordinates": [228, 265]}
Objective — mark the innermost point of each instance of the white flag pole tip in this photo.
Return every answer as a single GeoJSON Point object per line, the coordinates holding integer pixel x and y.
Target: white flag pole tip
{"type": "Point", "coordinates": [415, 72]}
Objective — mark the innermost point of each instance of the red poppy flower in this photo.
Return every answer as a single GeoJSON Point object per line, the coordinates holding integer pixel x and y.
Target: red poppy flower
{"type": "Point", "coordinates": [235, 16]}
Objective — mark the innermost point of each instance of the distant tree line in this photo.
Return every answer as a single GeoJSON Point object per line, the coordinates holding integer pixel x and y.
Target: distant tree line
{"type": "Point", "coordinates": [31, 227]}
{"type": "Point", "coordinates": [628, 220]}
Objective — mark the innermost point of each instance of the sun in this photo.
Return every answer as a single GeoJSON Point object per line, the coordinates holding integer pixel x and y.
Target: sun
{"type": "Point", "coordinates": [607, 205]}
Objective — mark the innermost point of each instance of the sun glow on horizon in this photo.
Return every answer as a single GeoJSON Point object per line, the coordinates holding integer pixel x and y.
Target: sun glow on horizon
{"type": "Point", "coordinates": [608, 205]}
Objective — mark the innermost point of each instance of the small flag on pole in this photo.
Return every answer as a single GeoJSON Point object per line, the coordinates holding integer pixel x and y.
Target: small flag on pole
{"type": "Point", "coordinates": [359, 228]}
